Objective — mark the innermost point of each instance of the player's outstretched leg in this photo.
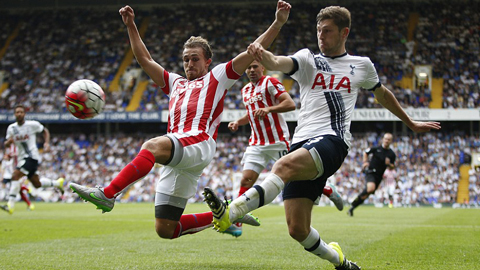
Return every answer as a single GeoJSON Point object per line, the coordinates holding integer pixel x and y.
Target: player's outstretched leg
{"type": "Point", "coordinates": [344, 263]}
{"type": "Point", "coordinates": [334, 196]}
{"type": "Point", "coordinates": [95, 196]}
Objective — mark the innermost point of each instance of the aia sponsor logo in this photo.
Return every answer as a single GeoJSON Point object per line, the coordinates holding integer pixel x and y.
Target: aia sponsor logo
{"type": "Point", "coordinates": [21, 138]}
{"type": "Point", "coordinates": [321, 82]}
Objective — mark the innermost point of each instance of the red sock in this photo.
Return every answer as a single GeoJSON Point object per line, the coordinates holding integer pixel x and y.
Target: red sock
{"type": "Point", "coordinates": [23, 194]}
{"type": "Point", "coordinates": [193, 223]}
{"type": "Point", "coordinates": [242, 190]}
{"type": "Point", "coordinates": [140, 166]}
{"type": "Point", "coordinates": [327, 191]}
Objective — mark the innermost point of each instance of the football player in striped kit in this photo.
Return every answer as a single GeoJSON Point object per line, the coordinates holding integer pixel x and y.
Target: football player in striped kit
{"type": "Point", "coordinates": [265, 99]}
{"type": "Point", "coordinates": [329, 84]}
{"type": "Point", "coordinates": [23, 134]}
{"type": "Point", "coordinates": [195, 110]}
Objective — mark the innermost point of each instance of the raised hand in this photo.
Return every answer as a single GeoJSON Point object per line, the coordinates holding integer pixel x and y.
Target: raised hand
{"type": "Point", "coordinates": [283, 10]}
{"type": "Point", "coordinates": [128, 16]}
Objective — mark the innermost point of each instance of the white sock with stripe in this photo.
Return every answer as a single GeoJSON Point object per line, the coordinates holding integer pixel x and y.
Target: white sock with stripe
{"type": "Point", "coordinates": [256, 197]}
{"type": "Point", "coordinates": [14, 191]}
{"type": "Point", "coordinates": [318, 247]}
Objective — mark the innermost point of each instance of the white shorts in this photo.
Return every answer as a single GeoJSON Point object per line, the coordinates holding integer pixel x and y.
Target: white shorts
{"type": "Point", "coordinates": [257, 157]}
{"type": "Point", "coordinates": [179, 178]}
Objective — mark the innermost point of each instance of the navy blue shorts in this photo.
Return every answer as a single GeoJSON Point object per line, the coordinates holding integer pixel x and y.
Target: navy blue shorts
{"type": "Point", "coordinates": [28, 166]}
{"type": "Point", "coordinates": [332, 150]}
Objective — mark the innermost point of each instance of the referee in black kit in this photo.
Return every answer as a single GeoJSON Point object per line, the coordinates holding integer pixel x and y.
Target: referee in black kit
{"type": "Point", "coordinates": [382, 157]}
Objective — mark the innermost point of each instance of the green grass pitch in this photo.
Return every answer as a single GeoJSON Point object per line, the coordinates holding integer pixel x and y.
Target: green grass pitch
{"type": "Point", "coordinates": [76, 236]}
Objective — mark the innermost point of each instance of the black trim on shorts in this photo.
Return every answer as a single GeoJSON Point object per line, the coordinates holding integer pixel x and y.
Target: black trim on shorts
{"type": "Point", "coordinates": [168, 212]}
{"type": "Point", "coordinates": [171, 152]}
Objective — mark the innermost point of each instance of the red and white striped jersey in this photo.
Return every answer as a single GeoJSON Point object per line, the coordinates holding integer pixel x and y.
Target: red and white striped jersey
{"type": "Point", "coordinates": [273, 128]}
{"type": "Point", "coordinates": [196, 106]}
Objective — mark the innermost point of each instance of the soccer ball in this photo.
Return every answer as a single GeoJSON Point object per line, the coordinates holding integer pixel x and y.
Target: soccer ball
{"type": "Point", "coordinates": [85, 99]}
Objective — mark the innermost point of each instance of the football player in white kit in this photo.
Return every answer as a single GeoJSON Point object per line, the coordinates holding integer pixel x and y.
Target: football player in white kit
{"type": "Point", "coordinates": [265, 98]}
{"type": "Point", "coordinates": [329, 83]}
{"type": "Point", "coordinates": [23, 133]}
{"type": "Point", "coordinates": [195, 110]}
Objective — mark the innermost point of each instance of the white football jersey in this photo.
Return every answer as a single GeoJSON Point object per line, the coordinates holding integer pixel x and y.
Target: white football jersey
{"type": "Point", "coordinates": [328, 92]}
{"type": "Point", "coordinates": [25, 138]}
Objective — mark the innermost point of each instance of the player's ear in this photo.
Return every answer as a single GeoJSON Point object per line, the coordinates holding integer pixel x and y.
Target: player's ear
{"type": "Point", "coordinates": [208, 62]}
{"type": "Point", "coordinates": [345, 32]}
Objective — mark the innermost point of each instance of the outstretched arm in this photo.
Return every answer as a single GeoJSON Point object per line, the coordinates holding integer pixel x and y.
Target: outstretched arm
{"type": "Point", "coordinates": [233, 126]}
{"type": "Point", "coordinates": [46, 138]}
{"type": "Point", "coordinates": [269, 60]}
{"type": "Point", "coordinates": [388, 100]}
{"type": "Point", "coordinates": [144, 59]}
{"type": "Point", "coordinates": [241, 61]}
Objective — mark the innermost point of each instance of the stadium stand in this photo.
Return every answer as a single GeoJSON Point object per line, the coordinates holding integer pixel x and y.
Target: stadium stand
{"type": "Point", "coordinates": [95, 47]}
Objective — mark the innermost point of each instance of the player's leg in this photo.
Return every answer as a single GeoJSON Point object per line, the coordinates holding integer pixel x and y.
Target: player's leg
{"type": "Point", "coordinates": [331, 192]}
{"type": "Point", "coordinates": [369, 189]}
{"type": "Point", "coordinates": [304, 162]}
{"type": "Point", "coordinates": [24, 196]}
{"type": "Point", "coordinates": [288, 168]}
{"type": "Point", "coordinates": [157, 150]}
{"type": "Point", "coordinates": [249, 177]}
{"type": "Point", "coordinates": [14, 190]}
{"type": "Point", "coordinates": [169, 221]}
{"type": "Point", "coordinates": [299, 199]}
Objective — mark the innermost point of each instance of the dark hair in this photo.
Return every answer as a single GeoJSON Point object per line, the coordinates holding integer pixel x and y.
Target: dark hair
{"type": "Point", "coordinates": [19, 106]}
{"type": "Point", "coordinates": [340, 16]}
{"type": "Point", "coordinates": [199, 42]}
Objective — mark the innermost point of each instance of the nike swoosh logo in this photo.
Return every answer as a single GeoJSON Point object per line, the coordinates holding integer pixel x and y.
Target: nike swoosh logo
{"type": "Point", "coordinates": [92, 195]}
{"type": "Point", "coordinates": [80, 106]}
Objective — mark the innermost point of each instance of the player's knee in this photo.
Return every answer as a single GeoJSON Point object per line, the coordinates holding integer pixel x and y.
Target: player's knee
{"type": "Point", "coordinates": [284, 169]}
{"type": "Point", "coordinates": [298, 232]}
{"type": "Point", "coordinates": [163, 232]}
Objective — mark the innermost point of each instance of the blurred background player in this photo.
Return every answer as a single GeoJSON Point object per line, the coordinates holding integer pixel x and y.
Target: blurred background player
{"type": "Point", "coordinates": [265, 98]}
{"type": "Point", "coordinates": [8, 165]}
{"type": "Point", "coordinates": [329, 83]}
{"type": "Point", "coordinates": [382, 157]}
{"type": "Point", "coordinates": [23, 134]}
{"type": "Point", "coordinates": [195, 109]}
{"type": "Point", "coordinates": [390, 177]}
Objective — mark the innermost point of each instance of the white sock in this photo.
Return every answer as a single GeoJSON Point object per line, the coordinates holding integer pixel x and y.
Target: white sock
{"type": "Point", "coordinates": [256, 197]}
{"type": "Point", "coordinates": [318, 247]}
{"type": "Point", "coordinates": [14, 190]}
{"type": "Point", "coordinates": [46, 182]}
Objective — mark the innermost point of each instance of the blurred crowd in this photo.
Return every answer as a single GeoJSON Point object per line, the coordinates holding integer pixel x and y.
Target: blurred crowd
{"type": "Point", "coordinates": [427, 167]}
{"type": "Point", "coordinates": [55, 47]}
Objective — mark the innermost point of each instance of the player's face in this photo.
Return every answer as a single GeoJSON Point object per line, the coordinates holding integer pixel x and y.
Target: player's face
{"type": "Point", "coordinates": [194, 63]}
{"type": "Point", "coordinates": [331, 40]}
{"type": "Point", "coordinates": [20, 115]}
{"type": "Point", "coordinates": [254, 71]}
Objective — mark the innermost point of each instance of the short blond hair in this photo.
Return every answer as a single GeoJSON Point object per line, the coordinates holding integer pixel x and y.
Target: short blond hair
{"type": "Point", "coordinates": [199, 42]}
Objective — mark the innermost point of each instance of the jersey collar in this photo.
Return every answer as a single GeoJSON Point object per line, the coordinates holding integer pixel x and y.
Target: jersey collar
{"type": "Point", "coordinates": [334, 57]}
